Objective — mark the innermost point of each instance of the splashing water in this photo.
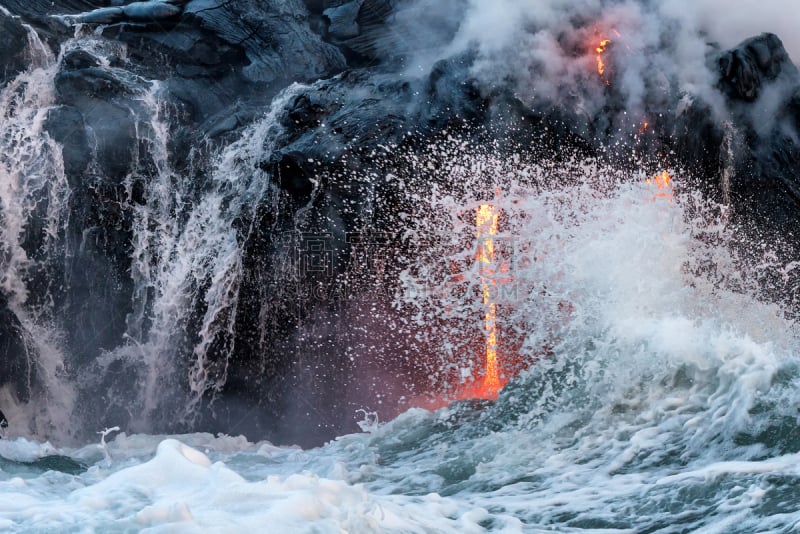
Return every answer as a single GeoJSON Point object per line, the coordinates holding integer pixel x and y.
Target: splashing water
{"type": "Point", "coordinates": [33, 184]}
{"type": "Point", "coordinates": [184, 256]}
{"type": "Point", "coordinates": [654, 392]}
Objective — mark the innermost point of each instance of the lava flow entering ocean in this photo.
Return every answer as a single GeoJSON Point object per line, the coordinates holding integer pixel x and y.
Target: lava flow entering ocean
{"type": "Point", "coordinates": [487, 222]}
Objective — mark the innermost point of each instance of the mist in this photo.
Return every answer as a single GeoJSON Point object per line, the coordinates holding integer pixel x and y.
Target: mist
{"type": "Point", "coordinates": [659, 52]}
{"type": "Point", "coordinates": [729, 23]}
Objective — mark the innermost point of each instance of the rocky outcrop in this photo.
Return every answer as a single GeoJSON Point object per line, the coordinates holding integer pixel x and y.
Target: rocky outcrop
{"type": "Point", "coordinates": [143, 12]}
{"type": "Point", "coordinates": [754, 64]}
{"type": "Point", "coordinates": [16, 361]}
{"type": "Point", "coordinates": [764, 89]}
{"type": "Point", "coordinates": [13, 43]}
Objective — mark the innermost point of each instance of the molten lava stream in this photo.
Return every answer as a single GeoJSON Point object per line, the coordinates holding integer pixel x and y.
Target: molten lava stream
{"type": "Point", "coordinates": [492, 272]}
{"type": "Point", "coordinates": [486, 224]}
{"type": "Point", "coordinates": [601, 64]}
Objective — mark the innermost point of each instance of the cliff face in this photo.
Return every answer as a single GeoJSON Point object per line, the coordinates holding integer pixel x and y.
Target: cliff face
{"type": "Point", "coordinates": [193, 171]}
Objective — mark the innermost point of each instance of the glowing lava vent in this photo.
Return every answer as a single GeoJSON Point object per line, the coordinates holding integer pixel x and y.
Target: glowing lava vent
{"type": "Point", "coordinates": [663, 183]}
{"type": "Point", "coordinates": [600, 50]}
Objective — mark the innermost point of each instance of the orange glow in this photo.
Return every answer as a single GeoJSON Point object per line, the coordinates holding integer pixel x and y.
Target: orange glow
{"type": "Point", "coordinates": [663, 185]}
{"type": "Point", "coordinates": [486, 223]}
{"type": "Point", "coordinates": [493, 270]}
{"type": "Point", "coordinates": [601, 65]}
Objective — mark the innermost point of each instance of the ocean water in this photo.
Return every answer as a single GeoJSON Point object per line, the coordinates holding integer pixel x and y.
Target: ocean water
{"type": "Point", "coordinates": [666, 401]}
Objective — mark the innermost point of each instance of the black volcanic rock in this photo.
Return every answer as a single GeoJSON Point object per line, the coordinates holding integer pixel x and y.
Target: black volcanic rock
{"type": "Point", "coordinates": [755, 62]}
{"type": "Point", "coordinates": [343, 20]}
{"type": "Point", "coordinates": [276, 38]}
{"type": "Point", "coordinates": [67, 127]}
{"type": "Point", "coordinates": [102, 125]}
{"type": "Point", "coordinates": [216, 55]}
{"type": "Point", "coordinates": [763, 85]}
{"type": "Point", "coordinates": [16, 361]}
{"type": "Point", "coordinates": [147, 11]}
{"type": "Point", "coordinates": [108, 117]}
{"type": "Point", "coordinates": [13, 40]}
{"type": "Point", "coordinates": [387, 32]}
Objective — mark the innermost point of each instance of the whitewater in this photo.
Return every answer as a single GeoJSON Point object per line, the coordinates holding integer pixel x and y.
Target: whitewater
{"type": "Point", "coordinates": [667, 402]}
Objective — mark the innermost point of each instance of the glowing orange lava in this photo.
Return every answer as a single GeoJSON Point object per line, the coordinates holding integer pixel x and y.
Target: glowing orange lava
{"type": "Point", "coordinates": [486, 223]}
{"type": "Point", "coordinates": [601, 65]}
{"type": "Point", "coordinates": [663, 185]}
{"type": "Point", "coordinates": [493, 270]}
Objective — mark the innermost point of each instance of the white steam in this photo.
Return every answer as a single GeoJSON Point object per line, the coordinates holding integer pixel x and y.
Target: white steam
{"type": "Point", "coordinates": [729, 23]}
{"type": "Point", "coordinates": [660, 51]}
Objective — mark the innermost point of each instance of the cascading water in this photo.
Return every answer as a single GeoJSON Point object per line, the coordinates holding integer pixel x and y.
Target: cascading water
{"type": "Point", "coordinates": [33, 188]}
{"type": "Point", "coordinates": [187, 257]}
